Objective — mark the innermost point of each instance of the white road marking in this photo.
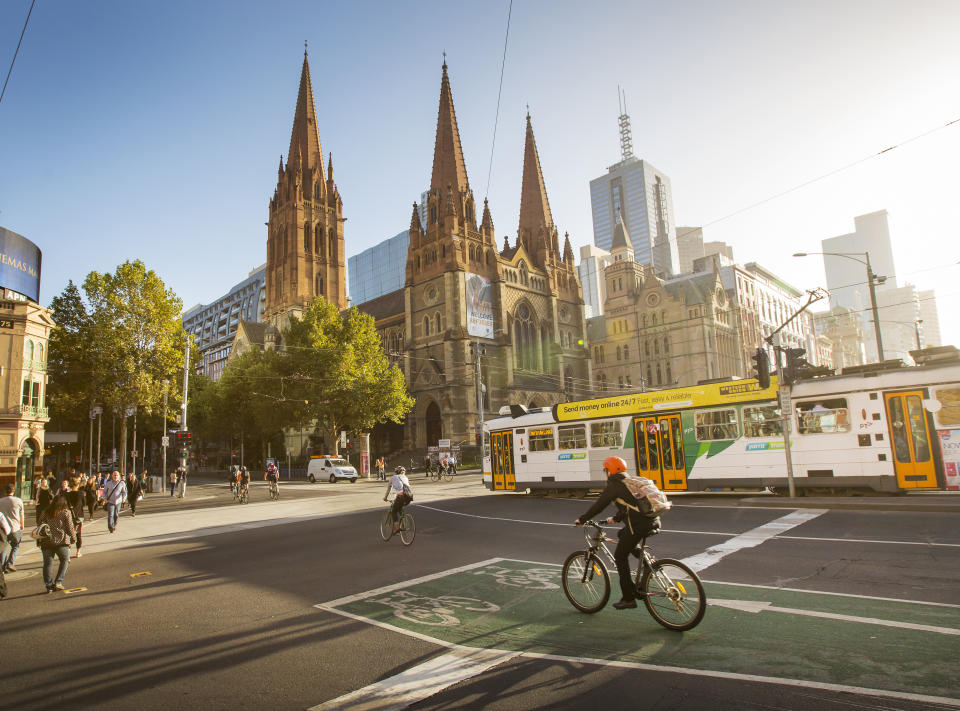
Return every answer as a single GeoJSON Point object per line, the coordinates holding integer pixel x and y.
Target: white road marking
{"type": "Point", "coordinates": [869, 540]}
{"type": "Point", "coordinates": [755, 606]}
{"type": "Point", "coordinates": [419, 682]}
{"type": "Point", "coordinates": [751, 538]}
{"type": "Point", "coordinates": [834, 594]}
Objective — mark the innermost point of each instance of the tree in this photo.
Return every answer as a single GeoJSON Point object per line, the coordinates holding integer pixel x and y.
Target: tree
{"type": "Point", "coordinates": [72, 387]}
{"type": "Point", "coordinates": [334, 371]}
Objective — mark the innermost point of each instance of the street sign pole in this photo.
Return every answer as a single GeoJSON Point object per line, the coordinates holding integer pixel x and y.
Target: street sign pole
{"type": "Point", "coordinates": [786, 414]}
{"type": "Point", "coordinates": [166, 439]}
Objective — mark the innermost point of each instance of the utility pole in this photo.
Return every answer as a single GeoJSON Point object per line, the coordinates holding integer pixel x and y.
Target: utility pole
{"type": "Point", "coordinates": [134, 454]}
{"type": "Point", "coordinates": [871, 277]}
{"type": "Point", "coordinates": [99, 425]}
{"type": "Point", "coordinates": [483, 452]}
{"type": "Point", "coordinates": [165, 435]}
{"type": "Point", "coordinates": [186, 378]}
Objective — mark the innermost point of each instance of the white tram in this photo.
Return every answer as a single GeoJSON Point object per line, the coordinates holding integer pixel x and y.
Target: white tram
{"type": "Point", "coordinates": [883, 428]}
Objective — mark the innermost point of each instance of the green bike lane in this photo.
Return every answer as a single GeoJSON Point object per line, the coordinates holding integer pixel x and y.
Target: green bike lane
{"type": "Point", "coordinates": [846, 642]}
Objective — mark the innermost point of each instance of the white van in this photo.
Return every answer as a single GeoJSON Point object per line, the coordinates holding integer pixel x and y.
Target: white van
{"type": "Point", "coordinates": [330, 468]}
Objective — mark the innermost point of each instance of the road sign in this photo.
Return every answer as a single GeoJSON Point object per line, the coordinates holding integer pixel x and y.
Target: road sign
{"type": "Point", "coordinates": [443, 443]}
{"type": "Point", "coordinates": [164, 441]}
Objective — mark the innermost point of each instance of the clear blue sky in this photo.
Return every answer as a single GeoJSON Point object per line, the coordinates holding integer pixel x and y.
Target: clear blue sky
{"type": "Point", "coordinates": [153, 130]}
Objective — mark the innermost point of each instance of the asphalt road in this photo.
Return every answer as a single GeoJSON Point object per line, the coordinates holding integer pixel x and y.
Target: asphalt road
{"type": "Point", "coordinates": [207, 604]}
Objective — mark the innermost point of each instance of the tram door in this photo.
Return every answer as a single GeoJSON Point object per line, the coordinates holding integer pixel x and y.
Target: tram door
{"type": "Point", "coordinates": [501, 460]}
{"type": "Point", "coordinates": [659, 450]}
{"type": "Point", "coordinates": [910, 438]}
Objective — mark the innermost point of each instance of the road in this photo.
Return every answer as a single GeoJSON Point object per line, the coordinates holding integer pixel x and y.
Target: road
{"type": "Point", "coordinates": [296, 604]}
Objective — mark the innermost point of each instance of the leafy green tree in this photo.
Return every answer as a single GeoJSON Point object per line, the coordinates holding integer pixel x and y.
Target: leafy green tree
{"type": "Point", "coordinates": [73, 384]}
{"type": "Point", "coordinates": [334, 371]}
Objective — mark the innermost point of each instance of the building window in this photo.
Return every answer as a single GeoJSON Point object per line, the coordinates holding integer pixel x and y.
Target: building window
{"type": "Point", "coordinates": [618, 352]}
{"type": "Point", "coordinates": [436, 322]}
{"type": "Point", "coordinates": [626, 352]}
{"type": "Point", "coordinates": [426, 325]}
{"type": "Point", "coordinates": [606, 434]}
{"type": "Point", "coordinates": [659, 379]}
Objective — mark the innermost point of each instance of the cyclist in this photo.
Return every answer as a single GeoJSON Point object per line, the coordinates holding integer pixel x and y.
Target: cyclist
{"type": "Point", "coordinates": [244, 480]}
{"type": "Point", "coordinates": [234, 473]}
{"type": "Point", "coordinates": [400, 485]}
{"type": "Point", "coordinates": [272, 476]}
{"type": "Point", "coordinates": [638, 524]}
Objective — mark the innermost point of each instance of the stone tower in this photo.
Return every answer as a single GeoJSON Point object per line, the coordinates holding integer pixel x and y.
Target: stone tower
{"type": "Point", "coordinates": [305, 249]}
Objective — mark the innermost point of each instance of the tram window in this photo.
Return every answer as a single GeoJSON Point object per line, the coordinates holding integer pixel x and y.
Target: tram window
{"type": "Point", "coordinates": [762, 421]}
{"type": "Point", "coordinates": [572, 436]}
{"type": "Point", "coordinates": [823, 416]}
{"type": "Point", "coordinates": [486, 441]}
{"type": "Point", "coordinates": [541, 440]}
{"type": "Point", "coordinates": [714, 425]}
{"type": "Point", "coordinates": [606, 434]}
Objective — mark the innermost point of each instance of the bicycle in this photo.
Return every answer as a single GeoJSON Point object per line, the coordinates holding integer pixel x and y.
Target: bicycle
{"type": "Point", "coordinates": [274, 489]}
{"type": "Point", "coordinates": [244, 497]}
{"type": "Point", "coordinates": [670, 590]}
{"type": "Point", "coordinates": [408, 528]}
{"type": "Point", "coordinates": [236, 492]}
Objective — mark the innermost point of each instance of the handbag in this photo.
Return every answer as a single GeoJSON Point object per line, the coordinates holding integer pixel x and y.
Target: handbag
{"type": "Point", "coordinates": [42, 534]}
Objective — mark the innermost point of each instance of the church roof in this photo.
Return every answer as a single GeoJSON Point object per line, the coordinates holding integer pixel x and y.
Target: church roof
{"type": "Point", "coordinates": [449, 167]}
{"type": "Point", "coordinates": [391, 304]}
{"type": "Point", "coordinates": [534, 205]}
{"type": "Point", "coordinates": [304, 138]}
{"type": "Point", "coordinates": [621, 238]}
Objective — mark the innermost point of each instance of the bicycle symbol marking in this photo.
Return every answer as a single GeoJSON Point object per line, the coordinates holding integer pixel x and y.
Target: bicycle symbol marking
{"type": "Point", "coordinates": [530, 578]}
{"type": "Point", "coordinates": [435, 611]}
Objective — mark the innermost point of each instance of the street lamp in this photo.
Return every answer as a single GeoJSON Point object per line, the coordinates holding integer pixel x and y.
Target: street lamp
{"type": "Point", "coordinates": [871, 279]}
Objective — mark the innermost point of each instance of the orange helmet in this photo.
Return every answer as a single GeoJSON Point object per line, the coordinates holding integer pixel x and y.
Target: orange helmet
{"type": "Point", "coordinates": [614, 465]}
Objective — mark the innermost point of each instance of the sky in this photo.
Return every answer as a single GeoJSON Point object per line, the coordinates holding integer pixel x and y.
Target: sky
{"type": "Point", "coordinates": [149, 130]}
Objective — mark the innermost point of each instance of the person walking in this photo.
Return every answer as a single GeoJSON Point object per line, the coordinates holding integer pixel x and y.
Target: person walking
{"type": "Point", "coordinates": [75, 500]}
{"type": "Point", "coordinates": [134, 493]}
{"type": "Point", "coordinates": [90, 496]}
{"type": "Point", "coordinates": [380, 465]}
{"type": "Point", "coordinates": [181, 482]}
{"type": "Point", "coordinates": [62, 532]}
{"type": "Point", "coordinates": [44, 497]}
{"type": "Point", "coordinates": [114, 494]}
{"type": "Point", "coordinates": [12, 508]}
{"type": "Point", "coordinates": [5, 529]}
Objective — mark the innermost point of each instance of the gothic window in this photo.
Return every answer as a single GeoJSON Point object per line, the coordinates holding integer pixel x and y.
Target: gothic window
{"type": "Point", "coordinates": [524, 276]}
{"type": "Point", "coordinates": [620, 284]}
{"type": "Point", "coordinates": [666, 345]}
{"type": "Point", "coordinates": [663, 317]}
{"type": "Point", "coordinates": [436, 322]}
{"type": "Point", "coordinates": [669, 374]}
{"type": "Point", "coordinates": [418, 262]}
{"type": "Point", "coordinates": [626, 352]}
{"type": "Point", "coordinates": [316, 190]}
{"type": "Point", "coordinates": [426, 325]}
{"type": "Point", "coordinates": [319, 285]}
{"type": "Point", "coordinates": [645, 323]}
{"type": "Point", "coordinates": [318, 240]}
{"type": "Point", "coordinates": [307, 237]}
{"type": "Point", "coordinates": [28, 349]}
{"type": "Point", "coordinates": [433, 213]}
{"type": "Point", "coordinates": [659, 378]}
{"type": "Point", "coordinates": [654, 319]}
{"type": "Point", "coordinates": [649, 378]}
{"type": "Point", "coordinates": [524, 338]}
{"type": "Point", "coordinates": [618, 352]}
{"type": "Point", "coordinates": [332, 249]}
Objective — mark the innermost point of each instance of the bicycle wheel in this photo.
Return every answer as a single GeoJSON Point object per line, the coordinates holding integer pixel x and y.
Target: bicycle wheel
{"type": "Point", "coordinates": [408, 529]}
{"type": "Point", "coordinates": [447, 475]}
{"type": "Point", "coordinates": [586, 582]}
{"type": "Point", "coordinates": [386, 526]}
{"type": "Point", "coordinates": [244, 496]}
{"type": "Point", "coordinates": [673, 595]}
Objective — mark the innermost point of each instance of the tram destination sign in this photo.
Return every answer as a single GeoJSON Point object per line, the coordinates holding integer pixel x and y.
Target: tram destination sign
{"type": "Point", "coordinates": [673, 399]}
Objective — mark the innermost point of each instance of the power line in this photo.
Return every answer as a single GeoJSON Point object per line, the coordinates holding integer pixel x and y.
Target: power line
{"type": "Point", "coordinates": [10, 71]}
{"type": "Point", "coordinates": [496, 120]}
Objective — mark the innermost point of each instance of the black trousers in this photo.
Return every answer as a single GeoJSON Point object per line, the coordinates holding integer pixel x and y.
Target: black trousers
{"type": "Point", "coordinates": [628, 541]}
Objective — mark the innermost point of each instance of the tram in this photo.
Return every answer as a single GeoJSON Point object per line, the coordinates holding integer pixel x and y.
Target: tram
{"type": "Point", "coordinates": [885, 429]}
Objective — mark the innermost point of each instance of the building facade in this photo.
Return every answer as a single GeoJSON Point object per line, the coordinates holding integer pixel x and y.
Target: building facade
{"type": "Point", "coordinates": [379, 270]}
{"type": "Point", "coordinates": [642, 196]}
{"type": "Point", "coordinates": [843, 327]}
{"type": "Point", "coordinates": [305, 248]}
{"type": "Point", "coordinates": [520, 306]}
{"type": "Point", "coordinates": [214, 326]}
{"type": "Point", "coordinates": [929, 319]}
{"type": "Point", "coordinates": [593, 261]}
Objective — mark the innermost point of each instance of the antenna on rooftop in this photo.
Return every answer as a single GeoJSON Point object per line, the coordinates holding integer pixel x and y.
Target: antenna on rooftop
{"type": "Point", "coordinates": [626, 136]}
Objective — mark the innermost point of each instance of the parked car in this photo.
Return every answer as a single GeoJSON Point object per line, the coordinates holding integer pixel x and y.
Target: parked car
{"type": "Point", "coordinates": [330, 468]}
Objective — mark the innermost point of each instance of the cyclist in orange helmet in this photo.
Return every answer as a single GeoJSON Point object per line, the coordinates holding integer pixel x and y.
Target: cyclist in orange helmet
{"type": "Point", "coordinates": [638, 524]}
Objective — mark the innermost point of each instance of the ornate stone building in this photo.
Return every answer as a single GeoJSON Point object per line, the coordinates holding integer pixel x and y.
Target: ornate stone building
{"type": "Point", "coordinates": [657, 333]}
{"type": "Point", "coordinates": [305, 249]}
{"type": "Point", "coordinates": [521, 306]}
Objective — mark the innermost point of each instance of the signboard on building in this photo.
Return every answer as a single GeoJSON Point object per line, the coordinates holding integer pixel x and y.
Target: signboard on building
{"type": "Point", "coordinates": [479, 306]}
{"type": "Point", "coordinates": [19, 265]}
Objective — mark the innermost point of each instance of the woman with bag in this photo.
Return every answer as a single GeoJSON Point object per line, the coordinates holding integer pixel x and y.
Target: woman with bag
{"type": "Point", "coordinates": [59, 519]}
{"type": "Point", "coordinates": [134, 493]}
{"type": "Point", "coordinates": [90, 496]}
{"type": "Point", "coordinates": [75, 500]}
{"type": "Point", "coordinates": [44, 497]}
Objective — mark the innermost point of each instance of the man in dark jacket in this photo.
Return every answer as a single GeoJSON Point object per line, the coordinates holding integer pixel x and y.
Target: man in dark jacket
{"type": "Point", "coordinates": [638, 525]}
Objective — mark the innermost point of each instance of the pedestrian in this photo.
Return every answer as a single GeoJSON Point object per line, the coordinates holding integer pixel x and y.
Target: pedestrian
{"type": "Point", "coordinates": [44, 497]}
{"type": "Point", "coordinates": [380, 466]}
{"type": "Point", "coordinates": [427, 465]}
{"type": "Point", "coordinates": [452, 463]}
{"type": "Point", "coordinates": [64, 487]}
{"type": "Point", "coordinates": [114, 494]}
{"type": "Point", "coordinates": [5, 529]}
{"type": "Point", "coordinates": [12, 508]}
{"type": "Point", "coordinates": [51, 482]}
{"type": "Point", "coordinates": [90, 496]}
{"type": "Point", "coordinates": [60, 520]}
{"type": "Point", "coordinates": [172, 481]}
{"type": "Point", "coordinates": [143, 483]}
{"type": "Point", "coordinates": [134, 493]}
{"type": "Point", "coordinates": [181, 482]}
{"type": "Point", "coordinates": [75, 500]}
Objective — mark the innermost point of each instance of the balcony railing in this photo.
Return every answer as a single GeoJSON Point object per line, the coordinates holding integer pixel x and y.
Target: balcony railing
{"type": "Point", "coordinates": [34, 365]}
{"type": "Point", "coordinates": [31, 411]}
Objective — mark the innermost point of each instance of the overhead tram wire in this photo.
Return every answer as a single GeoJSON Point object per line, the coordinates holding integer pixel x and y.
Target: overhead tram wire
{"type": "Point", "coordinates": [17, 51]}
{"type": "Point", "coordinates": [496, 119]}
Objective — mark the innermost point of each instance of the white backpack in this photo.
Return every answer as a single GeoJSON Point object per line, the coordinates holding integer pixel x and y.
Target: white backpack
{"type": "Point", "coordinates": [653, 502]}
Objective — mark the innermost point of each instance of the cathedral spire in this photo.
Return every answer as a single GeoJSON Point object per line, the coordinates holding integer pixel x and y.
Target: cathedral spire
{"type": "Point", "coordinates": [534, 205]}
{"type": "Point", "coordinates": [305, 139]}
{"type": "Point", "coordinates": [449, 168]}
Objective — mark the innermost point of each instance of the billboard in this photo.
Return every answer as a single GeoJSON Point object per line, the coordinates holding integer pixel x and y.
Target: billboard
{"type": "Point", "coordinates": [479, 306]}
{"type": "Point", "coordinates": [19, 264]}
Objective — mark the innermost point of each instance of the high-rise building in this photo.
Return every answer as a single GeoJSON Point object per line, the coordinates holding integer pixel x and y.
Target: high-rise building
{"type": "Point", "coordinates": [214, 325]}
{"type": "Point", "coordinates": [593, 261]}
{"type": "Point", "coordinates": [929, 319]}
{"type": "Point", "coordinates": [642, 195]}
{"type": "Point", "coordinates": [305, 248]}
{"type": "Point", "coordinates": [379, 270]}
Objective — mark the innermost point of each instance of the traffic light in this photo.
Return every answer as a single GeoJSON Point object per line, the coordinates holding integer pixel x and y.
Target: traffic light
{"type": "Point", "coordinates": [478, 440]}
{"type": "Point", "coordinates": [795, 363]}
{"type": "Point", "coordinates": [761, 366]}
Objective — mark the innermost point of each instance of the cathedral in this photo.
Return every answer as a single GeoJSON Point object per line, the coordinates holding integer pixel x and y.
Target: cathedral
{"type": "Point", "coordinates": [518, 309]}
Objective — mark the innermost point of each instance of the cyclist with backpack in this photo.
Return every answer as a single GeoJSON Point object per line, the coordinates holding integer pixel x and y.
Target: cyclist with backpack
{"type": "Point", "coordinates": [629, 495]}
{"type": "Point", "coordinates": [272, 476]}
{"type": "Point", "coordinates": [400, 485]}
{"type": "Point", "coordinates": [243, 480]}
